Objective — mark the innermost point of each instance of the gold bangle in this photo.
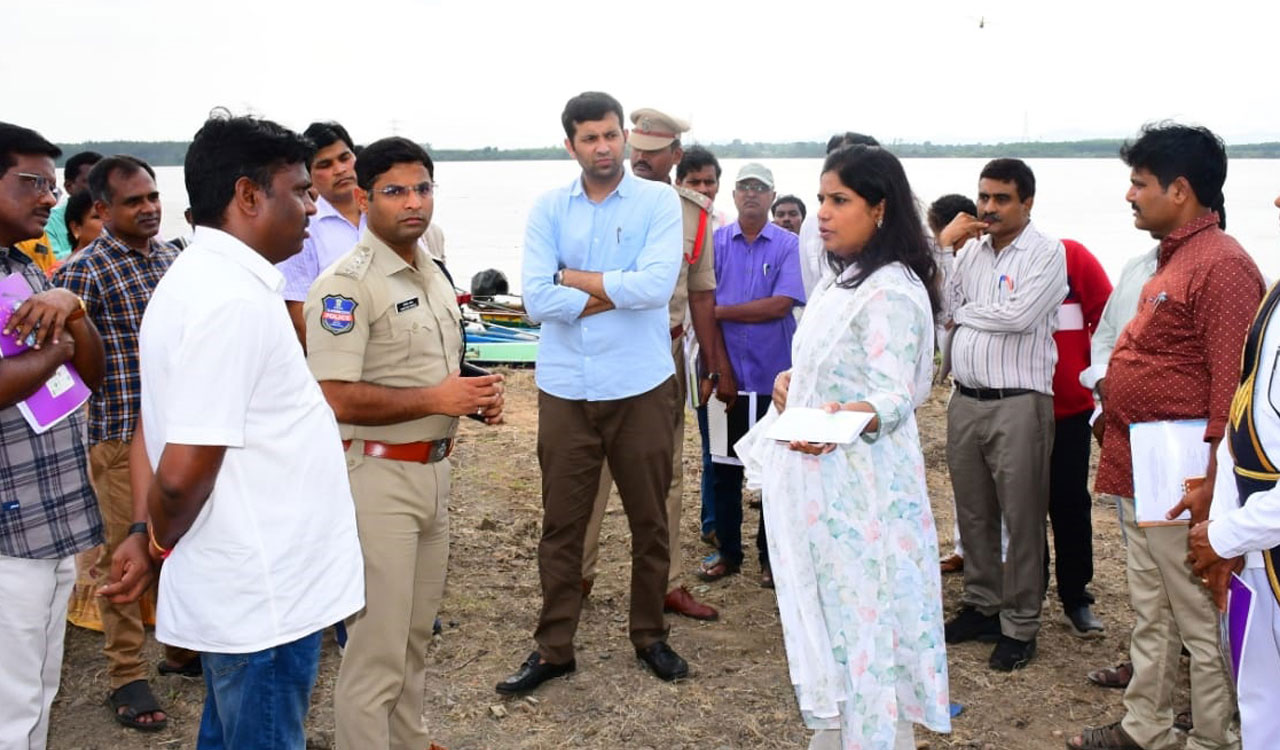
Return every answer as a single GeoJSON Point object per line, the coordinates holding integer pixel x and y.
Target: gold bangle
{"type": "Point", "coordinates": [151, 534]}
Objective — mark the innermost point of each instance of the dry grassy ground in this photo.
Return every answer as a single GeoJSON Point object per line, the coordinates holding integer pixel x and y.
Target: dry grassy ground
{"type": "Point", "coordinates": [738, 695]}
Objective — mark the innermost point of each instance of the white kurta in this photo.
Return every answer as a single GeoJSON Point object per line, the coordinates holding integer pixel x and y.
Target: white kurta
{"type": "Point", "coordinates": [851, 533]}
{"type": "Point", "coordinates": [1246, 530]}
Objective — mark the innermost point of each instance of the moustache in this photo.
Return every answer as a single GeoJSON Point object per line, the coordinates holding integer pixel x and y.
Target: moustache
{"type": "Point", "coordinates": [1135, 208]}
{"type": "Point", "coordinates": [990, 218]}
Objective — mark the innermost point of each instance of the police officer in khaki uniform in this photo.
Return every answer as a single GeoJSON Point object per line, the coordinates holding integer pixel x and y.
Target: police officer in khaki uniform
{"type": "Point", "coordinates": [384, 339]}
{"type": "Point", "coordinates": [655, 150]}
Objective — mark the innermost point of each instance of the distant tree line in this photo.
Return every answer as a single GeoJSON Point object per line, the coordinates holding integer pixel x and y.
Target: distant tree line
{"type": "Point", "coordinates": [171, 153]}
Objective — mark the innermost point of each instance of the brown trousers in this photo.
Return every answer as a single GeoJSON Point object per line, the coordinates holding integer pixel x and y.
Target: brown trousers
{"type": "Point", "coordinates": [575, 439]}
{"type": "Point", "coordinates": [121, 623]}
{"type": "Point", "coordinates": [675, 495]}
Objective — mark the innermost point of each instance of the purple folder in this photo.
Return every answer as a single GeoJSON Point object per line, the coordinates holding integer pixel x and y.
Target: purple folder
{"type": "Point", "coordinates": [64, 392]}
{"type": "Point", "coordinates": [1235, 623]}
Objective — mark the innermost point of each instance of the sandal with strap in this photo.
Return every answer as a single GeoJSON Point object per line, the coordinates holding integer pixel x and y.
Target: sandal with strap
{"type": "Point", "coordinates": [136, 699]}
{"type": "Point", "coordinates": [1112, 677]}
{"type": "Point", "coordinates": [715, 567]}
{"type": "Point", "coordinates": [1110, 737]}
{"type": "Point", "coordinates": [192, 668]}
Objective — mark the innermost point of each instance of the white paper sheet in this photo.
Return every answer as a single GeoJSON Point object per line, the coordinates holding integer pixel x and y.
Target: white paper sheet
{"type": "Point", "coordinates": [718, 425]}
{"type": "Point", "coordinates": [817, 426]}
{"type": "Point", "coordinates": [1165, 454]}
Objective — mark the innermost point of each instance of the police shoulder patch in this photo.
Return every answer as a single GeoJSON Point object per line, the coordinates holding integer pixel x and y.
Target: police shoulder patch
{"type": "Point", "coordinates": [338, 314]}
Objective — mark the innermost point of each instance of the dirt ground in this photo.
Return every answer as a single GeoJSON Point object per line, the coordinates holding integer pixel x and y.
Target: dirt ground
{"type": "Point", "coordinates": [738, 694]}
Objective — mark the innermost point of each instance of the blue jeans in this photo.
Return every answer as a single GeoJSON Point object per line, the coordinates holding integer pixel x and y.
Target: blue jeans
{"type": "Point", "coordinates": [708, 479]}
{"type": "Point", "coordinates": [259, 700]}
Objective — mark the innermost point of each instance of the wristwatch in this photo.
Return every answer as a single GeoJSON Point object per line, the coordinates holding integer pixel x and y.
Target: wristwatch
{"type": "Point", "coordinates": [559, 277]}
{"type": "Point", "coordinates": [137, 528]}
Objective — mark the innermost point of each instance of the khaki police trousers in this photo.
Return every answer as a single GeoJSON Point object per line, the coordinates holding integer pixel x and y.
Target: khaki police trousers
{"type": "Point", "coordinates": [675, 495]}
{"type": "Point", "coordinates": [122, 624]}
{"type": "Point", "coordinates": [1172, 609]}
{"type": "Point", "coordinates": [402, 512]}
{"type": "Point", "coordinates": [575, 439]}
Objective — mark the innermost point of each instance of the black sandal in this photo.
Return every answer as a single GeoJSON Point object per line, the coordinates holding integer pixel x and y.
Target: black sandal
{"type": "Point", "coordinates": [137, 700]}
{"type": "Point", "coordinates": [192, 668]}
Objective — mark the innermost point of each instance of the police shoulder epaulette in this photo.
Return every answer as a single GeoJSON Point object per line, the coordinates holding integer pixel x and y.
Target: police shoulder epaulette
{"type": "Point", "coordinates": [698, 199]}
{"type": "Point", "coordinates": [355, 266]}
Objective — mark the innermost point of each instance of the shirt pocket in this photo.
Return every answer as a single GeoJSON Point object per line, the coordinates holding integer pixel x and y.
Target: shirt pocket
{"type": "Point", "coordinates": [1163, 321]}
{"type": "Point", "coordinates": [415, 329]}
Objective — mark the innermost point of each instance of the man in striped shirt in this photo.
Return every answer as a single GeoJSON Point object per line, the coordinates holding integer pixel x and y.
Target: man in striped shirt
{"type": "Point", "coordinates": [1002, 299]}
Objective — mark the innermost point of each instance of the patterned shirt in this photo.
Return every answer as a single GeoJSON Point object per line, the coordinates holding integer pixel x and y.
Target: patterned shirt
{"type": "Point", "coordinates": [115, 281]}
{"type": "Point", "coordinates": [1179, 358]}
{"type": "Point", "coordinates": [47, 508]}
{"type": "Point", "coordinates": [1005, 307]}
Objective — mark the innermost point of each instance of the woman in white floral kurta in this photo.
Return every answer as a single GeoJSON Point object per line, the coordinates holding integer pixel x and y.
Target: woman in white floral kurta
{"type": "Point", "coordinates": [851, 534]}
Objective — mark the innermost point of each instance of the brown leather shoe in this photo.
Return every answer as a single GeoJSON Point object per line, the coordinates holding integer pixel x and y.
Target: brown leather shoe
{"type": "Point", "coordinates": [680, 601]}
{"type": "Point", "coordinates": [952, 564]}
{"type": "Point", "coordinates": [587, 585]}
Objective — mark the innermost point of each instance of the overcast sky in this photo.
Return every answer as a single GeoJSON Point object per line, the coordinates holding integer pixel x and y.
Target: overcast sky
{"type": "Point", "coordinates": [473, 73]}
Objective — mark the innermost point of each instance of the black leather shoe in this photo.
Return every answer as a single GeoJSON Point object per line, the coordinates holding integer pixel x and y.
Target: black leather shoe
{"type": "Point", "coordinates": [972, 625]}
{"type": "Point", "coordinates": [533, 673]}
{"type": "Point", "coordinates": [664, 662]}
{"type": "Point", "coordinates": [1083, 623]}
{"type": "Point", "coordinates": [1011, 653]}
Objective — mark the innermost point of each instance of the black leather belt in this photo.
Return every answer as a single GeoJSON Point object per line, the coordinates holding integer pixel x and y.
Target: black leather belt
{"type": "Point", "coordinates": [991, 394]}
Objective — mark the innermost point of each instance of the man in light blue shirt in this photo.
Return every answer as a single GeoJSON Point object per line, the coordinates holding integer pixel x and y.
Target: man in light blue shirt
{"type": "Point", "coordinates": [601, 260]}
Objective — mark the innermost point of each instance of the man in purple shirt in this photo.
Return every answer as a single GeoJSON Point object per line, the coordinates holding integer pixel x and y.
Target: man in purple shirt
{"type": "Point", "coordinates": [758, 282]}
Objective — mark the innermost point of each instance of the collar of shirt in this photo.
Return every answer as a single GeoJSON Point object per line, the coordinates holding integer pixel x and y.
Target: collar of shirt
{"type": "Point", "coordinates": [1021, 242]}
{"type": "Point", "coordinates": [623, 189]}
{"type": "Point", "coordinates": [1179, 237]}
{"type": "Point", "coordinates": [234, 249]}
{"type": "Point", "coordinates": [325, 210]}
{"type": "Point", "coordinates": [10, 255]}
{"type": "Point", "coordinates": [387, 261]}
{"type": "Point", "coordinates": [768, 232]}
{"type": "Point", "coordinates": [107, 240]}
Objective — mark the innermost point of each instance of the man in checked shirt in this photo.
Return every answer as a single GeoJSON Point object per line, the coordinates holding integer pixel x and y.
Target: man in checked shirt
{"type": "Point", "coordinates": [115, 276]}
{"type": "Point", "coordinates": [47, 510]}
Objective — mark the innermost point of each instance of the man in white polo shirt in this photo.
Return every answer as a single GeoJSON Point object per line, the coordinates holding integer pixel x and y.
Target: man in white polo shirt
{"type": "Point", "coordinates": [250, 502]}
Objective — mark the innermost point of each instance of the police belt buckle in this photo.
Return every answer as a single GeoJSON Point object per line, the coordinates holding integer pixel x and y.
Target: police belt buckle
{"type": "Point", "coordinates": [440, 449]}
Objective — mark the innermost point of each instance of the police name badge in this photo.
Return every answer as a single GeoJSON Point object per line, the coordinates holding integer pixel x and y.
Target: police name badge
{"type": "Point", "coordinates": [339, 314]}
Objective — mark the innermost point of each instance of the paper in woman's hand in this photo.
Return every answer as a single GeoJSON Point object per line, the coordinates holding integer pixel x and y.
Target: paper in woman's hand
{"type": "Point", "coordinates": [817, 426]}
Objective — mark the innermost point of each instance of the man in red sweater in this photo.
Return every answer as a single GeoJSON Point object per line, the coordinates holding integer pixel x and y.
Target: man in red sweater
{"type": "Point", "coordinates": [1069, 502]}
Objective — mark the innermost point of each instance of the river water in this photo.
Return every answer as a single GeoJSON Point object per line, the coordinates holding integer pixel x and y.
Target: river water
{"type": "Point", "coordinates": [482, 206]}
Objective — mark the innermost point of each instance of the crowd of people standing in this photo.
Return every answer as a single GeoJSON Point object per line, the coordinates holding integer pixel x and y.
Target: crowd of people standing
{"type": "Point", "coordinates": [264, 450]}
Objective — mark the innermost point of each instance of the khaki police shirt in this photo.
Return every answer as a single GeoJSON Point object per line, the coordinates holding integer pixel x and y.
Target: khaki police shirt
{"type": "Point", "coordinates": [372, 317]}
{"type": "Point", "coordinates": [700, 275]}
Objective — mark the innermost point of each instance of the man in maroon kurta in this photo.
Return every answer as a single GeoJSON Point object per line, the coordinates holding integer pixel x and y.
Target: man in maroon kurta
{"type": "Point", "coordinates": [1179, 358]}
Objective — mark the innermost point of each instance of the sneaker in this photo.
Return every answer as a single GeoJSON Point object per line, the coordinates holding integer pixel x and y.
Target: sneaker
{"type": "Point", "coordinates": [972, 625]}
{"type": "Point", "coordinates": [1011, 653]}
{"type": "Point", "coordinates": [1082, 622]}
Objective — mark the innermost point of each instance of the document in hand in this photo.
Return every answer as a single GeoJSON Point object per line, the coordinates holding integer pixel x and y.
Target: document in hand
{"type": "Point", "coordinates": [1235, 623]}
{"type": "Point", "coordinates": [726, 428]}
{"type": "Point", "coordinates": [817, 426]}
{"type": "Point", "coordinates": [64, 392]}
{"type": "Point", "coordinates": [1165, 455]}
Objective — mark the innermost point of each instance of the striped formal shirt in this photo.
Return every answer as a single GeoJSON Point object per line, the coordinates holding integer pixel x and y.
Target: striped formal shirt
{"type": "Point", "coordinates": [1005, 309]}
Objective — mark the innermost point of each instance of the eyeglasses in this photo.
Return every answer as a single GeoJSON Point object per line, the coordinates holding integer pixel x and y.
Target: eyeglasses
{"type": "Point", "coordinates": [40, 184]}
{"type": "Point", "coordinates": [753, 187]}
{"type": "Point", "coordinates": [400, 192]}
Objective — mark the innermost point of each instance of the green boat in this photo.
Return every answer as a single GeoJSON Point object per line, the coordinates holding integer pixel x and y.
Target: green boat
{"type": "Point", "coordinates": [513, 353]}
